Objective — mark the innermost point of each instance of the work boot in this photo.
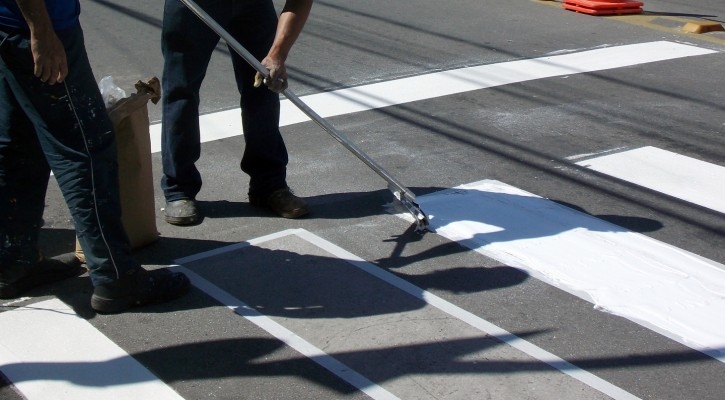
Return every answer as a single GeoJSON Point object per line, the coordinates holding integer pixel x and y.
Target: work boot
{"type": "Point", "coordinates": [282, 202]}
{"type": "Point", "coordinates": [15, 280]}
{"type": "Point", "coordinates": [181, 212]}
{"type": "Point", "coordinates": [139, 288]}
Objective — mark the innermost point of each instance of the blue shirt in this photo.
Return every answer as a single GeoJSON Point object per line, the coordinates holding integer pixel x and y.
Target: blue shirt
{"type": "Point", "coordinates": [63, 13]}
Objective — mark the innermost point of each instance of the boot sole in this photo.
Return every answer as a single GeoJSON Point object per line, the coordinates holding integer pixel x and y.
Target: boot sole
{"type": "Point", "coordinates": [111, 306]}
{"type": "Point", "coordinates": [105, 305]}
{"type": "Point", "coordinates": [182, 220]}
{"type": "Point", "coordinates": [294, 214]}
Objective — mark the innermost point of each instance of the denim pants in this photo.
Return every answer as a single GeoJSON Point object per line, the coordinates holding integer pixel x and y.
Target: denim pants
{"type": "Point", "coordinates": [187, 45]}
{"type": "Point", "coordinates": [64, 128]}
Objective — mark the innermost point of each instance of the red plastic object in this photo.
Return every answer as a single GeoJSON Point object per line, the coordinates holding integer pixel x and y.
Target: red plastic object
{"type": "Point", "coordinates": [604, 7]}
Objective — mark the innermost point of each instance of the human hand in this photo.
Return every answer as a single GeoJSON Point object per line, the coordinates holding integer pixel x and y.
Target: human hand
{"type": "Point", "coordinates": [277, 79]}
{"type": "Point", "coordinates": [49, 58]}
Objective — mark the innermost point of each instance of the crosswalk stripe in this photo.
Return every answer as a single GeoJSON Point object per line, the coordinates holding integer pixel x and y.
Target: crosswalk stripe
{"type": "Point", "coordinates": [49, 352]}
{"type": "Point", "coordinates": [686, 178]}
{"type": "Point", "coordinates": [227, 123]}
{"type": "Point", "coordinates": [674, 292]}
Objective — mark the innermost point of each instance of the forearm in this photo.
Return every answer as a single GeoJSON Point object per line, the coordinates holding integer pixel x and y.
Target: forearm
{"type": "Point", "coordinates": [36, 15]}
{"type": "Point", "coordinates": [50, 64]}
{"type": "Point", "coordinates": [292, 20]}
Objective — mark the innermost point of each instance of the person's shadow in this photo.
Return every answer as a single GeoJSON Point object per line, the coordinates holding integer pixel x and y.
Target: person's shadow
{"type": "Point", "coordinates": [268, 266]}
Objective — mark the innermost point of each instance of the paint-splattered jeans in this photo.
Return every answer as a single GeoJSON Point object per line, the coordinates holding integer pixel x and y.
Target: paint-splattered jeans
{"type": "Point", "coordinates": [64, 128]}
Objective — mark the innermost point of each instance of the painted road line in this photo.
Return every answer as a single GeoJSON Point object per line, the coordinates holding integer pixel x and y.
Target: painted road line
{"type": "Point", "coordinates": [288, 337]}
{"type": "Point", "coordinates": [674, 292]}
{"type": "Point", "coordinates": [462, 322]}
{"type": "Point", "coordinates": [49, 352]}
{"type": "Point", "coordinates": [228, 123]}
{"type": "Point", "coordinates": [685, 178]}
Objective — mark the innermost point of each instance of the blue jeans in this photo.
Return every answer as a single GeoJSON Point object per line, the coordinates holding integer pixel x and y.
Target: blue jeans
{"type": "Point", "coordinates": [64, 128]}
{"type": "Point", "coordinates": [187, 45]}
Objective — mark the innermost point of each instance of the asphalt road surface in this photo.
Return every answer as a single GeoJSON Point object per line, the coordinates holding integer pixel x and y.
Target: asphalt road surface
{"type": "Point", "coordinates": [572, 167]}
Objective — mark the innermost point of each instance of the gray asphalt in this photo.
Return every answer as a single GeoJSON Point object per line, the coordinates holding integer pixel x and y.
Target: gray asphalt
{"type": "Point", "coordinates": [520, 134]}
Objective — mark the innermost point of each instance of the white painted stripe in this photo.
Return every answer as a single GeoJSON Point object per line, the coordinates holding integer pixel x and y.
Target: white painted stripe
{"type": "Point", "coordinates": [48, 352]}
{"type": "Point", "coordinates": [685, 178]}
{"type": "Point", "coordinates": [667, 289]}
{"type": "Point", "coordinates": [429, 298]}
{"type": "Point", "coordinates": [288, 337]}
{"type": "Point", "coordinates": [232, 247]}
{"type": "Point", "coordinates": [228, 123]}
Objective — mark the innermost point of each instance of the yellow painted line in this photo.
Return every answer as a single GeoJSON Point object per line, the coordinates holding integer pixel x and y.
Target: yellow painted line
{"type": "Point", "coordinates": [687, 27]}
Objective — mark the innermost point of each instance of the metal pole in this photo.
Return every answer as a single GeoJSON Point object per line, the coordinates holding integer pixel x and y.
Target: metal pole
{"type": "Point", "coordinates": [402, 193]}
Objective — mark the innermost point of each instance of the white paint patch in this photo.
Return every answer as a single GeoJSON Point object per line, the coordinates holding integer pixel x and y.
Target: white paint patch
{"type": "Point", "coordinates": [228, 123]}
{"type": "Point", "coordinates": [672, 291]}
{"type": "Point", "coordinates": [351, 376]}
{"type": "Point", "coordinates": [685, 178]}
{"type": "Point", "coordinates": [48, 352]}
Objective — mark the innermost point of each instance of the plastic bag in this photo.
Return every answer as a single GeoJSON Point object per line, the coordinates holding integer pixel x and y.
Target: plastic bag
{"type": "Point", "coordinates": [110, 92]}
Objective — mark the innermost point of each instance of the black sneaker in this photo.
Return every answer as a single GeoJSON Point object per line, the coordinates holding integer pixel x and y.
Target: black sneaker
{"type": "Point", "coordinates": [139, 288]}
{"type": "Point", "coordinates": [15, 280]}
{"type": "Point", "coordinates": [282, 202]}
{"type": "Point", "coordinates": [181, 212]}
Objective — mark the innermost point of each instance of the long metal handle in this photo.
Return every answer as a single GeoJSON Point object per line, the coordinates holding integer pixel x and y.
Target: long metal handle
{"type": "Point", "coordinates": [402, 193]}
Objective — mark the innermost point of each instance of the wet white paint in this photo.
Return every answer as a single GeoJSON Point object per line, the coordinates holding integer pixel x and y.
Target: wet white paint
{"type": "Point", "coordinates": [667, 289]}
